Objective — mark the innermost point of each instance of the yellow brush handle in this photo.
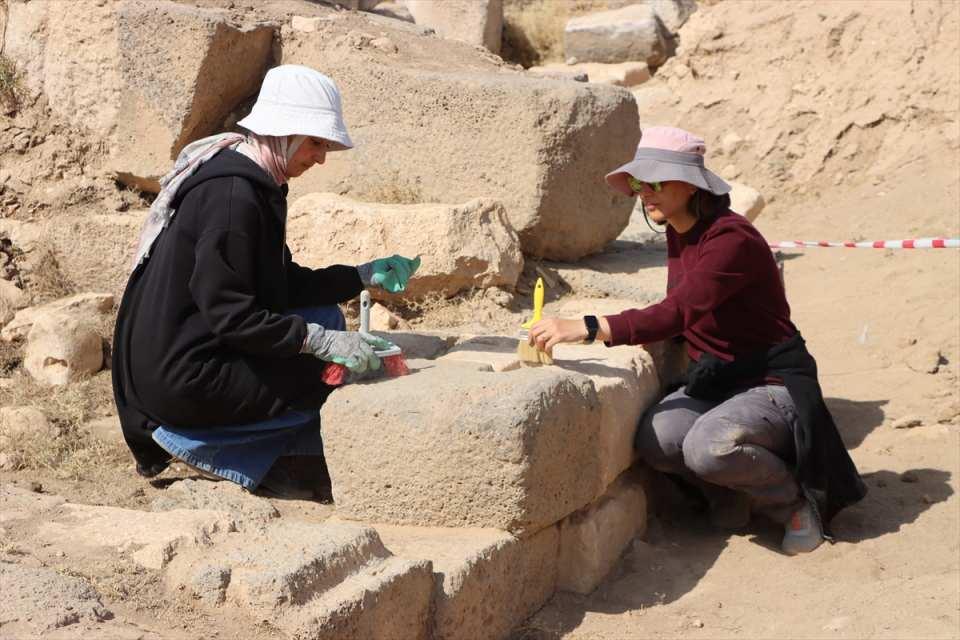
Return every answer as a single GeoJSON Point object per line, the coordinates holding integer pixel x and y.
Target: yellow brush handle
{"type": "Point", "coordinates": [538, 301]}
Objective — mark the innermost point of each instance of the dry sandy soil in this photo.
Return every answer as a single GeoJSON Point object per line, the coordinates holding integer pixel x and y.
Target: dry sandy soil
{"type": "Point", "coordinates": [883, 324]}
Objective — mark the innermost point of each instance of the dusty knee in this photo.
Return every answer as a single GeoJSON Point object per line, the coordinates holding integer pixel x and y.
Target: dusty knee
{"type": "Point", "coordinates": [709, 448]}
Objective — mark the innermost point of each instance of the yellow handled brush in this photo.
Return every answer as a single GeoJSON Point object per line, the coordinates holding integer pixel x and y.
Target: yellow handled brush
{"type": "Point", "coordinates": [525, 351]}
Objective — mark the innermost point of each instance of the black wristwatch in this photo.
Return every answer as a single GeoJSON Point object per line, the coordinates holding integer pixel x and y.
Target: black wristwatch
{"type": "Point", "coordinates": [592, 327]}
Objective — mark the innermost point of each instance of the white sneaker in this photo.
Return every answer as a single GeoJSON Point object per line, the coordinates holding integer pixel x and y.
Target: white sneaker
{"type": "Point", "coordinates": [803, 533]}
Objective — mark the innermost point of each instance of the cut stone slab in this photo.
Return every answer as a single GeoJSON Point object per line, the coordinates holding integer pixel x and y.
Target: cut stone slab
{"type": "Point", "coordinates": [673, 14]}
{"type": "Point", "coordinates": [332, 580]}
{"type": "Point", "coordinates": [620, 74]}
{"type": "Point", "coordinates": [151, 539]}
{"type": "Point", "coordinates": [593, 539]}
{"type": "Point", "coordinates": [166, 73]}
{"type": "Point", "coordinates": [633, 32]}
{"type": "Point", "coordinates": [487, 581]}
{"type": "Point", "coordinates": [559, 132]}
{"type": "Point", "coordinates": [499, 352]}
{"type": "Point", "coordinates": [516, 450]}
{"type": "Point", "coordinates": [477, 22]}
{"type": "Point", "coordinates": [463, 246]}
{"type": "Point", "coordinates": [91, 306]}
{"type": "Point", "coordinates": [37, 600]}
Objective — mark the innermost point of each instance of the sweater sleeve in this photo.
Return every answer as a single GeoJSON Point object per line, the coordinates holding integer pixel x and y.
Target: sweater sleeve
{"type": "Point", "coordinates": [724, 267]}
{"type": "Point", "coordinates": [330, 285]}
{"type": "Point", "coordinates": [223, 287]}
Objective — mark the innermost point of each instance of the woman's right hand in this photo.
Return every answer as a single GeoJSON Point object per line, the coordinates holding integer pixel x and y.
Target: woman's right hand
{"type": "Point", "coordinates": [352, 349]}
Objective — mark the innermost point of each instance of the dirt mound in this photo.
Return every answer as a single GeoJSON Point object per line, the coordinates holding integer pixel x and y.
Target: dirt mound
{"type": "Point", "coordinates": [801, 96]}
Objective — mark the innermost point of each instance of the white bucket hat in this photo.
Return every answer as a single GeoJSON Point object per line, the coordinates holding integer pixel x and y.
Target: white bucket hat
{"type": "Point", "coordinates": [298, 101]}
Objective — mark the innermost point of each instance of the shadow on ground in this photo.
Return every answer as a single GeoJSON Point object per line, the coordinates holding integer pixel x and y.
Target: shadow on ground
{"type": "Point", "coordinates": [855, 419]}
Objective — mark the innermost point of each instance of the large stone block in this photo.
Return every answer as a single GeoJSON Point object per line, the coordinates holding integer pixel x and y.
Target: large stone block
{"type": "Point", "coordinates": [166, 73]}
{"type": "Point", "coordinates": [433, 133]}
{"type": "Point", "coordinates": [474, 21]}
{"type": "Point", "coordinates": [592, 540]}
{"type": "Point", "coordinates": [517, 450]}
{"type": "Point", "coordinates": [327, 581]}
{"type": "Point", "coordinates": [487, 581]}
{"type": "Point", "coordinates": [463, 246]}
{"type": "Point", "coordinates": [633, 32]}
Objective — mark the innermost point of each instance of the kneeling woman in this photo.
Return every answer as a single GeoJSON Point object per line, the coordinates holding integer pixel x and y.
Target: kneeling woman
{"type": "Point", "coordinates": [218, 326]}
{"type": "Point", "coordinates": [750, 427]}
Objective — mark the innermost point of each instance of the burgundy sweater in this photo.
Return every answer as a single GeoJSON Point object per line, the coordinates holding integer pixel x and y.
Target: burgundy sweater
{"type": "Point", "coordinates": [724, 294]}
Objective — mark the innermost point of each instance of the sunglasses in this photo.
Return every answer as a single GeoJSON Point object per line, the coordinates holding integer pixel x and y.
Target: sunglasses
{"type": "Point", "coordinates": [638, 185]}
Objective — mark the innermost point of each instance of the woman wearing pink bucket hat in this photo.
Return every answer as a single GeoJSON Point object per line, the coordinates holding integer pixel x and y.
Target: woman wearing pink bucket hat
{"type": "Point", "coordinates": [750, 428]}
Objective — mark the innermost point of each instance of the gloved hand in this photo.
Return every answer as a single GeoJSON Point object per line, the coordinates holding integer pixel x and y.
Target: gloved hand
{"type": "Point", "coordinates": [352, 349]}
{"type": "Point", "coordinates": [390, 274]}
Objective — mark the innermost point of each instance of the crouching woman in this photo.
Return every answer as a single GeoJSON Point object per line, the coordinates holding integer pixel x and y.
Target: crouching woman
{"type": "Point", "coordinates": [750, 428]}
{"type": "Point", "coordinates": [218, 327]}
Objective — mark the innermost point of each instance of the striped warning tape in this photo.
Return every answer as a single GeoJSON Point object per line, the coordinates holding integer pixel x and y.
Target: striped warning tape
{"type": "Point", "coordinates": [918, 243]}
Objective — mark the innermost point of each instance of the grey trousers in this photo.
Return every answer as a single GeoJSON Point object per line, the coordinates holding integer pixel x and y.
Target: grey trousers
{"type": "Point", "coordinates": [744, 443]}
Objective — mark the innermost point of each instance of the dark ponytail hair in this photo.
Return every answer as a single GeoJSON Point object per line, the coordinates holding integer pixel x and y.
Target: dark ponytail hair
{"type": "Point", "coordinates": [706, 206]}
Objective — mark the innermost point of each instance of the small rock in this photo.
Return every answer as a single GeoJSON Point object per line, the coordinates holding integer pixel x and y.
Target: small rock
{"type": "Point", "coordinates": [907, 422]}
{"type": "Point", "coordinates": [36, 487]}
{"type": "Point", "coordinates": [927, 499]}
{"type": "Point", "coordinates": [909, 477]}
{"type": "Point", "coordinates": [384, 44]}
{"type": "Point", "coordinates": [698, 623]}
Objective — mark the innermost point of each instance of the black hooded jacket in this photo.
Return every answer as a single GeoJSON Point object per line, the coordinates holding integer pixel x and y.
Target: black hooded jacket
{"type": "Point", "coordinates": [204, 336]}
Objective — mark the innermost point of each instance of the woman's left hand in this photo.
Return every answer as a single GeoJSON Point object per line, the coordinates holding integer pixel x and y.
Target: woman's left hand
{"type": "Point", "coordinates": [552, 331]}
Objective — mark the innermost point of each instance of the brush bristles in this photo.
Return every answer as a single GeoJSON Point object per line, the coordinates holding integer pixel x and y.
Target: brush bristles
{"type": "Point", "coordinates": [530, 354]}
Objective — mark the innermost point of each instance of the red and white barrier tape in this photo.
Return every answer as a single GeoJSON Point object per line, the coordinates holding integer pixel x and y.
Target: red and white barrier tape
{"type": "Point", "coordinates": [919, 243]}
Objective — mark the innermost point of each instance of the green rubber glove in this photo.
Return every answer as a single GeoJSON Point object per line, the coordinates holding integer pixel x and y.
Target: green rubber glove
{"type": "Point", "coordinates": [390, 274]}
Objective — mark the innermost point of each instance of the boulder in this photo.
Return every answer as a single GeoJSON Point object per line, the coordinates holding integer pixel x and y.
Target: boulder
{"type": "Point", "coordinates": [12, 299]}
{"type": "Point", "coordinates": [39, 600]}
{"type": "Point", "coordinates": [463, 246]}
{"type": "Point", "coordinates": [487, 581]}
{"type": "Point", "coordinates": [432, 132]}
{"type": "Point", "coordinates": [673, 14]}
{"type": "Point", "coordinates": [620, 74]}
{"type": "Point", "coordinates": [382, 319]}
{"type": "Point", "coordinates": [633, 32]}
{"type": "Point", "coordinates": [746, 201]}
{"type": "Point", "coordinates": [516, 450]}
{"type": "Point", "coordinates": [166, 73]}
{"type": "Point", "coordinates": [91, 307]}
{"type": "Point", "coordinates": [592, 540]}
{"type": "Point", "coordinates": [475, 21]}
{"type": "Point", "coordinates": [62, 348]}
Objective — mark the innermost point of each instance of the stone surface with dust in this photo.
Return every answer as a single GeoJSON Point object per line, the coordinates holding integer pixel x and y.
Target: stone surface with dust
{"type": "Point", "coordinates": [474, 21]}
{"type": "Point", "coordinates": [465, 246]}
{"type": "Point", "coordinates": [746, 201]}
{"type": "Point", "coordinates": [529, 146]}
{"type": "Point", "coordinates": [329, 581]}
{"type": "Point", "coordinates": [38, 600]}
{"type": "Point", "coordinates": [620, 74]}
{"type": "Point", "coordinates": [592, 540]}
{"type": "Point", "coordinates": [165, 73]}
{"type": "Point", "coordinates": [150, 539]}
{"type": "Point", "coordinates": [62, 348]}
{"type": "Point", "coordinates": [89, 306]}
{"type": "Point", "coordinates": [226, 497]}
{"type": "Point", "coordinates": [633, 32]}
{"type": "Point", "coordinates": [673, 14]}
{"type": "Point", "coordinates": [488, 581]}
{"type": "Point", "coordinates": [515, 450]}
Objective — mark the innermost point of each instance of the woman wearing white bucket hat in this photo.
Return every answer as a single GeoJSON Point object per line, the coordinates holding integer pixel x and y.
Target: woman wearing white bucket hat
{"type": "Point", "coordinates": [750, 427]}
{"type": "Point", "coordinates": [218, 326]}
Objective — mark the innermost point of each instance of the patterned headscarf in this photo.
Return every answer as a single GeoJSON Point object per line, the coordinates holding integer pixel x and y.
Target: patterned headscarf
{"type": "Point", "coordinates": [271, 153]}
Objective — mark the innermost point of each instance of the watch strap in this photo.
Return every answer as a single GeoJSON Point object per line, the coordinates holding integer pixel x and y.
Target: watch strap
{"type": "Point", "coordinates": [593, 325]}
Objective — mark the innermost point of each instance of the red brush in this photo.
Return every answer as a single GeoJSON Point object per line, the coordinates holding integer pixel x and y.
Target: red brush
{"type": "Point", "coordinates": [393, 361]}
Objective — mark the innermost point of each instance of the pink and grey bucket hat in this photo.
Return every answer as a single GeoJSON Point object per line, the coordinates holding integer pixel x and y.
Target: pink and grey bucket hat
{"type": "Point", "coordinates": [668, 153]}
